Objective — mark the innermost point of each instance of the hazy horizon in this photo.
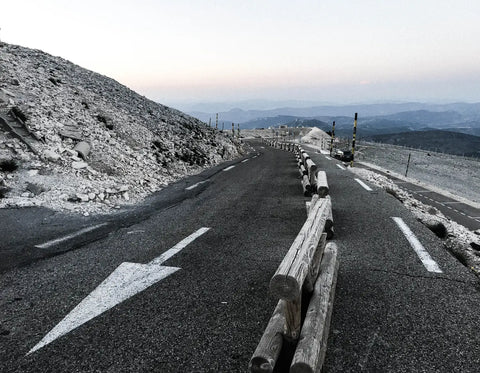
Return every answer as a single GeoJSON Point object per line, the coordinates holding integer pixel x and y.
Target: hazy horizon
{"type": "Point", "coordinates": [229, 51]}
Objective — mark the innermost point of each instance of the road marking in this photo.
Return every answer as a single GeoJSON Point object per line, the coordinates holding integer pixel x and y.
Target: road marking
{"type": "Point", "coordinates": [137, 231]}
{"type": "Point", "coordinates": [245, 160]}
{"type": "Point", "coordinates": [328, 158]}
{"type": "Point", "coordinates": [341, 167]}
{"type": "Point", "coordinates": [365, 186]}
{"type": "Point", "coordinates": [450, 202]}
{"type": "Point", "coordinates": [430, 264]}
{"type": "Point", "coordinates": [127, 280]}
{"type": "Point", "coordinates": [178, 247]}
{"type": "Point", "coordinates": [196, 185]}
{"type": "Point", "coordinates": [68, 237]}
{"type": "Point", "coordinates": [228, 168]}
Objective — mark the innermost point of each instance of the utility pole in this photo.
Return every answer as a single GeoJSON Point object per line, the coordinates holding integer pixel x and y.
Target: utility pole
{"type": "Point", "coordinates": [353, 142]}
{"type": "Point", "coordinates": [210, 122]}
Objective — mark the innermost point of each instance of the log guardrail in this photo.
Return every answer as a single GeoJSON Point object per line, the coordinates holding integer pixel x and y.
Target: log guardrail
{"type": "Point", "coordinates": [307, 274]}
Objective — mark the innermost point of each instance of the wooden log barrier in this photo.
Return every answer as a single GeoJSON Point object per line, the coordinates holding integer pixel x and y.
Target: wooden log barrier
{"type": "Point", "coordinates": [310, 352]}
{"type": "Point", "coordinates": [314, 268]}
{"type": "Point", "coordinates": [307, 188]}
{"type": "Point", "coordinates": [288, 280]}
{"type": "Point", "coordinates": [303, 170]}
{"type": "Point", "coordinates": [322, 185]}
{"type": "Point", "coordinates": [312, 170]}
{"type": "Point", "coordinates": [270, 345]}
{"type": "Point", "coordinates": [305, 156]}
{"type": "Point", "coordinates": [329, 225]}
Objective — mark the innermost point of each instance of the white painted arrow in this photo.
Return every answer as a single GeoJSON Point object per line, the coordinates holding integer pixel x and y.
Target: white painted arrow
{"type": "Point", "coordinates": [127, 280]}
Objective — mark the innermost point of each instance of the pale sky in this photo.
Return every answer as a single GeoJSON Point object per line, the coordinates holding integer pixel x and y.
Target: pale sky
{"type": "Point", "coordinates": [327, 50]}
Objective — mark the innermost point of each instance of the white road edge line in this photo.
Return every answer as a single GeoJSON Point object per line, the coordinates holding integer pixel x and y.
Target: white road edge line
{"type": "Point", "coordinates": [365, 186]}
{"type": "Point", "coordinates": [245, 160]}
{"type": "Point", "coordinates": [228, 168]}
{"type": "Point", "coordinates": [46, 245]}
{"type": "Point", "coordinates": [341, 167]}
{"type": "Point", "coordinates": [127, 280]}
{"type": "Point", "coordinates": [430, 264]}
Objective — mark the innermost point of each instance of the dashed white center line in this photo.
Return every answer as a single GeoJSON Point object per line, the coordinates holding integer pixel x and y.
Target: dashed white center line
{"type": "Point", "coordinates": [228, 168]}
{"type": "Point", "coordinates": [341, 167]}
{"type": "Point", "coordinates": [69, 236]}
{"type": "Point", "coordinates": [430, 264]}
{"type": "Point", "coordinates": [245, 160]}
{"type": "Point", "coordinates": [328, 158]}
{"type": "Point", "coordinates": [365, 186]}
{"type": "Point", "coordinates": [196, 185]}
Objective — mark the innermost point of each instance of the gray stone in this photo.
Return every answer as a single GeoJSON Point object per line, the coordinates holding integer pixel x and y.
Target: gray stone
{"type": "Point", "coordinates": [36, 189]}
{"type": "Point", "coordinates": [79, 165]}
{"type": "Point", "coordinates": [51, 155]}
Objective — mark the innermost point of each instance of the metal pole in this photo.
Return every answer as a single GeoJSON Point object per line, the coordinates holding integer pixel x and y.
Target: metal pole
{"type": "Point", "coordinates": [233, 129]}
{"type": "Point", "coordinates": [353, 142]}
{"type": "Point", "coordinates": [216, 122]}
{"type": "Point", "coordinates": [332, 139]}
{"type": "Point", "coordinates": [408, 164]}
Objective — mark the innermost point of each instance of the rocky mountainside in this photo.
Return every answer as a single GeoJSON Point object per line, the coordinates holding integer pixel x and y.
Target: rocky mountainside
{"type": "Point", "coordinates": [95, 143]}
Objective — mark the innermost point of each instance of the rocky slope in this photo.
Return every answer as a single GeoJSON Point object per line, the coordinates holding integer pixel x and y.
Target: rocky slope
{"type": "Point", "coordinates": [135, 146]}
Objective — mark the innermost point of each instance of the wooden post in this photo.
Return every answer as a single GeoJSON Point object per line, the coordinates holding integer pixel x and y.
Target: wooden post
{"type": "Point", "coordinates": [293, 319]}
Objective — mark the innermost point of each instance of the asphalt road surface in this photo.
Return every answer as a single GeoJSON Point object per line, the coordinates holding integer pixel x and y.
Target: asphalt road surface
{"type": "Point", "coordinates": [180, 283]}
